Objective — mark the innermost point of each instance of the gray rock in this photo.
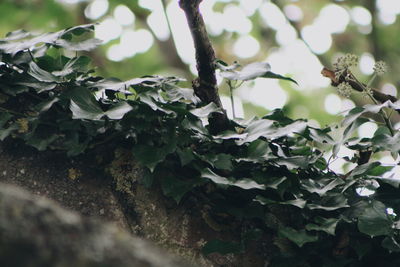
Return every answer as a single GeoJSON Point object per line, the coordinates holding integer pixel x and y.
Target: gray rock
{"type": "Point", "coordinates": [37, 232]}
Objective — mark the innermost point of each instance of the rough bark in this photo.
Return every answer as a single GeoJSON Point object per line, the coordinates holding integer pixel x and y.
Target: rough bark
{"type": "Point", "coordinates": [36, 232]}
{"type": "Point", "coordinates": [181, 230]}
{"type": "Point", "coordinates": [205, 86]}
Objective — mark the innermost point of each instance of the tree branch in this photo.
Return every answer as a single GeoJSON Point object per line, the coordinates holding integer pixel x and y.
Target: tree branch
{"type": "Point", "coordinates": [381, 97]}
{"type": "Point", "coordinates": [205, 86]}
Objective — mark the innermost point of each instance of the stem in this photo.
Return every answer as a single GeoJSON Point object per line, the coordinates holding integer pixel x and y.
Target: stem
{"type": "Point", "coordinates": [381, 112]}
{"type": "Point", "coordinates": [371, 80]}
{"type": "Point", "coordinates": [164, 5]}
{"type": "Point", "coordinates": [232, 102]}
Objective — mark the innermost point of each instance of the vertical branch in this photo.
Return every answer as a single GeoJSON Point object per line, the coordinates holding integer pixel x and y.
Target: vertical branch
{"type": "Point", "coordinates": [205, 86]}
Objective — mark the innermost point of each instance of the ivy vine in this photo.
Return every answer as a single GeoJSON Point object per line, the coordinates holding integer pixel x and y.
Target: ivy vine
{"type": "Point", "coordinates": [54, 101]}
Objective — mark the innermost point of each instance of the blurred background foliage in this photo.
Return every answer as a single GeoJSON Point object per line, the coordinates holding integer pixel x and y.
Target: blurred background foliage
{"type": "Point", "coordinates": [297, 38]}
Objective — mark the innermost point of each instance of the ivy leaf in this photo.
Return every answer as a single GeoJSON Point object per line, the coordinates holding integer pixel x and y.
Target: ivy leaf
{"type": "Point", "coordinates": [177, 188]}
{"type": "Point", "coordinates": [20, 41]}
{"type": "Point", "coordinates": [320, 186]}
{"type": "Point", "coordinates": [364, 169]}
{"type": "Point", "coordinates": [74, 65]}
{"type": "Point", "coordinates": [248, 72]}
{"type": "Point", "coordinates": [242, 183]}
{"type": "Point", "coordinates": [220, 161]}
{"type": "Point", "coordinates": [369, 108]}
{"type": "Point", "coordinates": [387, 142]}
{"type": "Point", "coordinates": [85, 45]}
{"type": "Point", "coordinates": [84, 105]}
{"type": "Point", "coordinates": [329, 203]}
{"type": "Point", "coordinates": [374, 220]}
{"type": "Point", "coordinates": [267, 129]}
{"type": "Point", "coordinates": [5, 132]}
{"type": "Point", "coordinates": [320, 136]}
{"type": "Point", "coordinates": [391, 244]}
{"type": "Point", "coordinates": [327, 225]}
{"type": "Point", "coordinates": [4, 118]}
{"type": "Point", "coordinates": [300, 203]}
{"type": "Point", "coordinates": [272, 75]}
{"type": "Point", "coordinates": [300, 237]}
{"type": "Point", "coordinates": [205, 111]}
{"type": "Point", "coordinates": [185, 155]}
{"type": "Point", "coordinates": [46, 105]}
{"type": "Point", "coordinates": [257, 151]}
{"type": "Point", "coordinates": [222, 247]}
{"type": "Point", "coordinates": [42, 75]}
{"type": "Point", "coordinates": [117, 111]}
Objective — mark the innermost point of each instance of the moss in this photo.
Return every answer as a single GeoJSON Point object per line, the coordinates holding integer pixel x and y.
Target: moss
{"type": "Point", "coordinates": [125, 172]}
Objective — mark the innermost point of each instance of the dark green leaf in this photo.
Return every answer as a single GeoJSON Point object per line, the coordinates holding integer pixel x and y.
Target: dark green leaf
{"type": "Point", "coordinates": [222, 247]}
{"type": "Point", "coordinates": [177, 188]}
{"type": "Point", "coordinates": [374, 220]}
{"type": "Point", "coordinates": [84, 105]}
{"type": "Point", "coordinates": [42, 75]}
{"type": "Point", "coordinates": [327, 225]}
{"type": "Point", "coordinates": [272, 75]}
{"type": "Point", "coordinates": [300, 237]}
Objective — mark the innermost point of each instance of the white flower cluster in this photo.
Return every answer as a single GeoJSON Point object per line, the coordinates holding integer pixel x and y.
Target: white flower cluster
{"type": "Point", "coordinates": [344, 89]}
{"type": "Point", "coordinates": [346, 61]}
{"type": "Point", "coordinates": [380, 67]}
{"type": "Point", "coordinates": [343, 63]}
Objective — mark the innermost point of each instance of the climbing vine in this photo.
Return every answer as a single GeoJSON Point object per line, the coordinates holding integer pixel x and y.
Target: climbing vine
{"type": "Point", "coordinates": [271, 171]}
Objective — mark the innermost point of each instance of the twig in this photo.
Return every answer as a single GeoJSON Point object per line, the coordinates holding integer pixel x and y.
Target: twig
{"type": "Point", "coordinates": [376, 96]}
{"type": "Point", "coordinates": [381, 97]}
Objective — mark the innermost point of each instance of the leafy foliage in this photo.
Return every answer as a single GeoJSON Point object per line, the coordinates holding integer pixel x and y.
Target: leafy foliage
{"type": "Point", "coordinates": [273, 171]}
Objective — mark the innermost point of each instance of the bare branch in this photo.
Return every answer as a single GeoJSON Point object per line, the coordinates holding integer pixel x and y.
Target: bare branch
{"type": "Point", "coordinates": [205, 86]}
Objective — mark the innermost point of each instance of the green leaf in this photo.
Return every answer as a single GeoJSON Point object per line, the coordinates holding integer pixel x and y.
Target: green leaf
{"type": "Point", "coordinates": [300, 237]}
{"type": "Point", "coordinates": [300, 203]}
{"type": "Point", "coordinates": [46, 105]}
{"type": "Point", "coordinates": [267, 129]}
{"type": "Point", "coordinates": [391, 244]}
{"type": "Point", "coordinates": [84, 105]}
{"type": "Point", "coordinates": [329, 203]}
{"type": "Point", "coordinates": [4, 118]}
{"type": "Point", "coordinates": [257, 151]}
{"type": "Point", "coordinates": [5, 132]}
{"type": "Point", "coordinates": [320, 136]}
{"type": "Point", "coordinates": [117, 111]}
{"type": "Point", "coordinates": [20, 41]}
{"type": "Point", "coordinates": [374, 220]}
{"type": "Point", "coordinates": [220, 161]}
{"type": "Point", "coordinates": [222, 247]}
{"type": "Point", "coordinates": [364, 169]}
{"type": "Point", "coordinates": [248, 72]}
{"type": "Point", "coordinates": [327, 225]}
{"type": "Point", "coordinates": [42, 75]}
{"type": "Point", "coordinates": [177, 188]}
{"type": "Point", "coordinates": [74, 65]}
{"type": "Point", "coordinates": [387, 142]}
{"type": "Point", "coordinates": [205, 111]}
{"type": "Point", "coordinates": [185, 155]}
{"type": "Point", "coordinates": [321, 186]}
{"type": "Point", "coordinates": [272, 75]}
{"type": "Point", "coordinates": [219, 180]}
